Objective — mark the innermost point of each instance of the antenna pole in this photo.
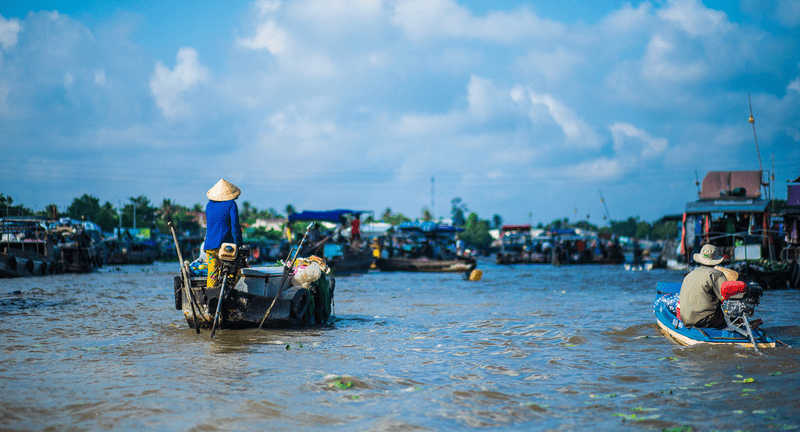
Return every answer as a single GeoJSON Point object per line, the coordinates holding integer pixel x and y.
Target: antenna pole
{"type": "Point", "coordinates": [432, 188]}
{"type": "Point", "coordinates": [697, 183]}
{"type": "Point", "coordinates": [753, 122]}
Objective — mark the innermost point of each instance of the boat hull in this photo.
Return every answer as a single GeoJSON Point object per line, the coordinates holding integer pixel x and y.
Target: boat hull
{"type": "Point", "coordinates": [671, 326]}
{"type": "Point", "coordinates": [461, 265]}
{"type": "Point", "coordinates": [246, 305]}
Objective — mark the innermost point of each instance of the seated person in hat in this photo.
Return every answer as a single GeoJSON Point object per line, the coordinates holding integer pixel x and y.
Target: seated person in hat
{"type": "Point", "coordinates": [701, 295]}
{"type": "Point", "coordinates": [222, 218]}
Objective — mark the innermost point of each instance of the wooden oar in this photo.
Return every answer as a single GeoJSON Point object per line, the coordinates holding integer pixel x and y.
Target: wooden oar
{"type": "Point", "coordinates": [287, 270]}
{"type": "Point", "coordinates": [185, 276]}
{"type": "Point", "coordinates": [219, 303]}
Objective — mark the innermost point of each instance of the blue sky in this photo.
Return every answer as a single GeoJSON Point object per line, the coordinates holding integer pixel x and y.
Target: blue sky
{"type": "Point", "coordinates": [521, 108]}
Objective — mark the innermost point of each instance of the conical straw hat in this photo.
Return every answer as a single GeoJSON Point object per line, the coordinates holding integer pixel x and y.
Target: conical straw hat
{"type": "Point", "coordinates": [730, 275]}
{"type": "Point", "coordinates": [223, 191]}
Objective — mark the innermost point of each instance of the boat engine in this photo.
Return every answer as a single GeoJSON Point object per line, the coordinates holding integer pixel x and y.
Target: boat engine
{"type": "Point", "coordinates": [234, 258]}
{"type": "Point", "coordinates": [743, 304]}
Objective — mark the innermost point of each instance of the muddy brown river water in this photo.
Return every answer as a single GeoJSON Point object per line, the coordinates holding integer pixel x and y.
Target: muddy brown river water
{"type": "Point", "coordinates": [529, 347]}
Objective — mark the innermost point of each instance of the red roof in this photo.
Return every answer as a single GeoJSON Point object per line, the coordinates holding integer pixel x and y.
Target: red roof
{"type": "Point", "coordinates": [731, 185]}
{"type": "Point", "coordinates": [516, 227]}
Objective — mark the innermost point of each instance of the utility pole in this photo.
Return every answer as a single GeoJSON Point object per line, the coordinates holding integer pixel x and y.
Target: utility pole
{"type": "Point", "coordinates": [432, 190]}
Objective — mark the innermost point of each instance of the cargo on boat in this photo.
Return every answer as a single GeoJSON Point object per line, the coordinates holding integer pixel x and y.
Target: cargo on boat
{"type": "Point", "coordinates": [424, 247]}
{"type": "Point", "coordinates": [80, 245]}
{"type": "Point", "coordinates": [341, 245]}
{"type": "Point", "coordinates": [26, 248]}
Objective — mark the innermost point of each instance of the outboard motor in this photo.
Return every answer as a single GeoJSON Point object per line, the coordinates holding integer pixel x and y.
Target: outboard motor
{"type": "Point", "coordinates": [234, 258]}
{"type": "Point", "coordinates": [743, 304]}
{"type": "Point", "coordinates": [740, 307]}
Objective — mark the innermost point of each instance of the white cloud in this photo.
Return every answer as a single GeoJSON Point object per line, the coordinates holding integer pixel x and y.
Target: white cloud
{"type": "Point", "coordinates": [695, 19]}
{"type": "Point", "coordinates": [9, 29]}
{"type": "Point", "coordinates": [602, 168]}
{"type": "Point", "coordinates": [422, 19]}
{"type": "Point", "coordinates": [664, 60]}
{"type": "Point", "coordinates": [100, 77]}
{"type": "Point", "coordinates": [555, 65]}
{"type": "Point", "coordinates": [270, 37]}
{"type": "Point", "coordinates": [578, 134]}
{"type": "Point", "coordinates": [795, 84]}
{"type": "Point", "coordinates": [630, 141]}
{"type": "Point", "coordinates": [168, 86]}
{"type": "Point", "coordinates": [267, 6]}
{"type": "Point", "coordinates": [789, 12]}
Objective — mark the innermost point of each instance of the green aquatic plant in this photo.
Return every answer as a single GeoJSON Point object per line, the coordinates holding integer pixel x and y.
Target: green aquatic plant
{"type": "Point", "coordinates": [746, 380]}
{"type": "Point", "coordinates": [342, 385]}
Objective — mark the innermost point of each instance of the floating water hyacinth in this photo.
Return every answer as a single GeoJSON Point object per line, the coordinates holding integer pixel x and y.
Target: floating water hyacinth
{"type": "Point", "coordinates": [342, 386]}
{"type": "Point", "coordinates": [746, 380]}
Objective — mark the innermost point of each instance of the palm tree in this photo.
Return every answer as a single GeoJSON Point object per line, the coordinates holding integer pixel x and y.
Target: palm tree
{"type": "Point", "coordinates": [52, 211]}
{"type": "Point", "coordinates": [168, 211]}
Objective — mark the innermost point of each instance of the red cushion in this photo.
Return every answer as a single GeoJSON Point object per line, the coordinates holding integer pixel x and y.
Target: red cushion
{"type": "Point", "coordinates": [731, 288]}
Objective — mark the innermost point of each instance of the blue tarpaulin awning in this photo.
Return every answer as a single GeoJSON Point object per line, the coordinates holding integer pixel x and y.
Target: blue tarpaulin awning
{"type": "Point", "coordinates": [427, 227]}
{"type": "Point", "coordinates": [325, 216]}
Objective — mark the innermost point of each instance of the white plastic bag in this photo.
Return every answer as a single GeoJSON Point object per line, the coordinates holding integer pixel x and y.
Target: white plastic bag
{"type": "Point", "coordinates": [306, 276]}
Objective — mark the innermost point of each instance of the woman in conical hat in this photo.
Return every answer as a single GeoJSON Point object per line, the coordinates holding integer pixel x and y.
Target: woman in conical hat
{"type": "Point", "coordinates": [222, 218]}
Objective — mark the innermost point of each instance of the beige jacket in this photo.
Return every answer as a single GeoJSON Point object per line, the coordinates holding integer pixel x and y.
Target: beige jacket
{"type": "Point", "coordinates": [700, 294]}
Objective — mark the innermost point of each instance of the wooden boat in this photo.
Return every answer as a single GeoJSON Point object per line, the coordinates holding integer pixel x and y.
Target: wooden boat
{"type": "Point", "coordinates": [424, 247]}
{"type": "Point", "coordinates": [247, 300]}
{"type": "Point", "coordinates": [342, 248]}
{"type": "Point", "coordinates": [457, 265]}
{"type": "Point", "coordinates": [671, 326]}
{"type": "Point", "coordinates": [80, 245]}
{"type": "Point", "coordinates": [26, 248]}
{"type": "Point", "coordinates": [516, 245]}
{"type": "Point", "coordinates": [125, 248]}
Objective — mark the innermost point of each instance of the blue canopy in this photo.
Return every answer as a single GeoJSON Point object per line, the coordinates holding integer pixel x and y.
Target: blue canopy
{"type": "Point", "coordinates": [325, 216]}
{"type": "Point", "coordinates": [428, 227]}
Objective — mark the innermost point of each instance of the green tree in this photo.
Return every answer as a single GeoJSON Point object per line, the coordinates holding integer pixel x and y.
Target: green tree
{"type": "Point", "coordinates": [145, 213]}
{"type": "Point", "coordinates": [457, 212]}
{"type": "Point", "coordinates": [427, 216]}
{"type": "Point", "coordinates": [88, 208]}
{"type": "Point", "coordinates": [476, 233]}
{"type": "Point", "coordinates": [51, 212]}
{"type": "Point", "coordinates": [290, 210]}
{"type": "Point", "coordinates": [498, 221]}
{"type": "Point", "coordinates": [394, 219]}
{"type": "Point", "coordinates": [85, 208]}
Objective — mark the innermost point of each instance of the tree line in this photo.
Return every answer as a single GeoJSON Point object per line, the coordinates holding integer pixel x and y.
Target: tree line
{"type": "Point", "coordinates": [139, 212]}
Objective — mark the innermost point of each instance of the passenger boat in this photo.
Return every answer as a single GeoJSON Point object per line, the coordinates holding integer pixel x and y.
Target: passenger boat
{"type": "Point", "coordinates": [305, 299]}
{"type": "Point", "coordinates": [80, 245]}
{"type": "Point", "coordinates": [516, 245]}
{"type": "Point", "coordinates": [131, 246]}
{"type": "Point", "coordinates": [458, 265]}
{"type": "Point", "coordinates": [424, 247]}
{"type": "Point", "coordinates": [735, 334]}
{"type": "Point", "coordinates": [26, 248]}
{"type": "Point", "coordinates": [341, 246]}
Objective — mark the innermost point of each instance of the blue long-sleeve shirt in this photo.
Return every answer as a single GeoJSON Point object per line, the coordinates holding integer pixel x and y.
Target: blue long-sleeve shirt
{"type": "Point", "coordinates": [222, 218]}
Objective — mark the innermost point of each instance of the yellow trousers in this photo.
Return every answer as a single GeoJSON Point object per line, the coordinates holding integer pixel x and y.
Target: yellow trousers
{"type": "Point", "coordinates": [214, 268]}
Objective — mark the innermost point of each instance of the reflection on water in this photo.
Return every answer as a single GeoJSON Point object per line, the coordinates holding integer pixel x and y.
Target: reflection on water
{"type": "Point", "coordinates": [526, 347]}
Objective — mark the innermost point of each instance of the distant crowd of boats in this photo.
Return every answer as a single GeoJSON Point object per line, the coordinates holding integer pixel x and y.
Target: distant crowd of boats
{"type": "Point", "coordinates": [32, 246]}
